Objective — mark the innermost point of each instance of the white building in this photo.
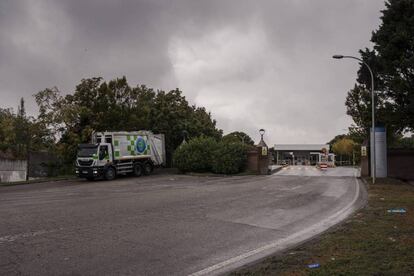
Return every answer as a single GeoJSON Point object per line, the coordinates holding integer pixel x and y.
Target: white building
{"type": "Point", "coordinates": [303, 154]}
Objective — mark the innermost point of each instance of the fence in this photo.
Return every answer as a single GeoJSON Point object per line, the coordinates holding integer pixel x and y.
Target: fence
{"type": "Point", "coordinates": [12, 170]}
{"type": "Point", "coordinates": [401, 163]}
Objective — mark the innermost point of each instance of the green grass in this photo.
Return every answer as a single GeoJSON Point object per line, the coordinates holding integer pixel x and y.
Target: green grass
{"type": "Point", "coordinates": [371, 242]}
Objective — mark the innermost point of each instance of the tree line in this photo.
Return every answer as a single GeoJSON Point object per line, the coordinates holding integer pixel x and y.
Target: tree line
{"type": "Point", "coordinates": [64, 121]}
{"type": "Point", "coordinates": [392, 61]}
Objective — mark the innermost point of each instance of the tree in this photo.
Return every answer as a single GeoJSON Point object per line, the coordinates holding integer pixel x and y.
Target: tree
{"type": "Point", "coordinates": [21, 129]}
{"type": "Point", "coordinates": [238, 136]}
{"type": "Point", "coordinates": [336, 139]}
{"type": "Point", "coordinates": [97, 105]}
{"type": "Point", "coordinates": [404, 142]}
{"type": "Point", "coordinates": [392, 60]}
{"type": "Point", "coordinates": [344, 147]}
{"type": "Point", "coordinates": [7, 133]}
{"type": "Point", "coordinates": [20, 133]}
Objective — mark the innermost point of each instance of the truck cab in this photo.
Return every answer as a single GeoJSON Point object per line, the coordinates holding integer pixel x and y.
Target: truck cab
{"type": "Point", "coordinates": [93, 159]}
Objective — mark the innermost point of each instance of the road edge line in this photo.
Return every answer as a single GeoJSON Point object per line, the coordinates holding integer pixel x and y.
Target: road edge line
{"type": "Point", "coordinates": [286, 242]}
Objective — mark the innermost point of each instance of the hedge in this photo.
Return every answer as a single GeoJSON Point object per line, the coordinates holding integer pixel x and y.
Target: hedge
{"type": "Point", "coordinates": [204, 154]}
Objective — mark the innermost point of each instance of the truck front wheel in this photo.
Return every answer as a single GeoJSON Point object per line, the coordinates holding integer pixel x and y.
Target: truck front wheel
{"type": "Point", "coordinates": [110, 173]}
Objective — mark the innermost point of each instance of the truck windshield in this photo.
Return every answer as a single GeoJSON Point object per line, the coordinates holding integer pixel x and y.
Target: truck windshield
{"type": "Point", "coordinates": [87, 151]}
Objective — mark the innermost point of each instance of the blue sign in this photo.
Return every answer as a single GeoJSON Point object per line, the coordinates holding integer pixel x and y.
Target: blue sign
{"type": "Point", "coordinates": [140, 145]}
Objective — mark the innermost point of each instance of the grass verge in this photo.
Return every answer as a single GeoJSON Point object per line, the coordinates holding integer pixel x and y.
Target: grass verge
{"type": "Point", "coordinates": [371, 242]}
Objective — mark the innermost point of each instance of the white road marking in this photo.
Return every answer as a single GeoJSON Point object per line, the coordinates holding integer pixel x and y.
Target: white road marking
{"type": "Point", "coordinates": [283, 243]}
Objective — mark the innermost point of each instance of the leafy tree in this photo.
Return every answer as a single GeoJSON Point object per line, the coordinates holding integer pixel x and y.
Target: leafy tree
{"type": "Point", "coordinates": [20, 133]}
{"type": "Point", "coordinates": [21, 129]}
{"type": "Point", "coordinates": [392, 60]}
{"type": "Point", "coordinates": [97, 105]}
{"type": "Point", "coordinates": [7, 133]}
{"type": "Point", "coordinates": [238, 136]}
{"type": "Point", "coordinates": [404, 142]}
{"type": "Point", "coordinates": [336, 139]}
{"type": "Point", "coordinates": [344, 147]}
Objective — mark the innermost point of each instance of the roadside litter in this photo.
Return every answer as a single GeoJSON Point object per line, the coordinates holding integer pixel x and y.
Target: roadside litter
{"type": "Point", "coordinates": [398, 211]}
{"type": "Point", "coordinates": [314, 265]}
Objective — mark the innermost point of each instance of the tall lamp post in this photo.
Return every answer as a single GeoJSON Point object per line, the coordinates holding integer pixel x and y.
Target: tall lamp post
{"type": "Point", "coordinates": [373, 166]}
{"type": "Point", "coordinates": [262, 132]}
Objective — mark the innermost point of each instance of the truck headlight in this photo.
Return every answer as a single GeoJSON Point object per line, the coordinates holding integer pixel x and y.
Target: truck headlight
{"type": "Point", "coordinates": [76, 171]}
{"type": "Point", "coordinates": [95, 171]}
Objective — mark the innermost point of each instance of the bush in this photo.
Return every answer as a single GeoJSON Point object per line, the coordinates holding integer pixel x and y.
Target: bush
{"type": "Point", "coordinates": [196, 155]}
{"type": "Point", "coordinates": [204, 154]}
{"type": "Point", "coordinates": [229, 158]}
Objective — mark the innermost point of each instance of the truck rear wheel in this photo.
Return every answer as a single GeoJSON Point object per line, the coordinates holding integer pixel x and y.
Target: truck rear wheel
{"type": "Point", "coordinates": [110, 173]}
{"type": "Point", "coordinates": [148, 168]}
{"type": "Point", "coordinates": [137, 169]}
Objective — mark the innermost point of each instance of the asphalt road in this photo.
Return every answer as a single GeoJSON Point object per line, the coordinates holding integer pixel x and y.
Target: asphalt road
{"type": "Point", "coordinates": [165, 224]}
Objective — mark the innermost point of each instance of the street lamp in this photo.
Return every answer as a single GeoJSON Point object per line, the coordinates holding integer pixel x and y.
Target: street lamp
{"type": "Point", "coordinates": [373, 166]}
{"type": "Point", "coordinates": [262, 142]}
{"type": "Point", "coordinates": [262, 132]}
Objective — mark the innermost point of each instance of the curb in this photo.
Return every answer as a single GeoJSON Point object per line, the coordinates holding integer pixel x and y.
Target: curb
{"type": "Point", "coordinates": [34, 181]}
{"type": "Point", "coordinates": [276, 170]}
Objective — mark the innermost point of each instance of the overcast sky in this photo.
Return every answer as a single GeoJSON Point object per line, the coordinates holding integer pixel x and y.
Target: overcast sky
{"type": "Point", "coordinates": [253, 64]}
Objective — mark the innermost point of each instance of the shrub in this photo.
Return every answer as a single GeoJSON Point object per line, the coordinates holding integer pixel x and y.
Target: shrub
{"type": "Point", "coordinates": [196, 155]}
{"type": "Point", "coordinates": [204, 154]}
{"type": "Point", "coordinates": [229, 158]}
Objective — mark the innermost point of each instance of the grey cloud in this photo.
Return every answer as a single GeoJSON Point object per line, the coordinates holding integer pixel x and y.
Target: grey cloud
{"type": "Point", "coordinates": [281, 74]}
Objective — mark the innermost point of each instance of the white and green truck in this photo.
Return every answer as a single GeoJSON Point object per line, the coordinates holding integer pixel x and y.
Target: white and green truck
{"type": "Point", "coordinates": [118, 153]}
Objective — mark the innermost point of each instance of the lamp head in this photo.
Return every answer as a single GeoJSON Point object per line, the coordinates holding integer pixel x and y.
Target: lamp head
{"type": "Point", "coordinates": [262, 131]}
{"type": "Point", "coordinates": [338, 56]}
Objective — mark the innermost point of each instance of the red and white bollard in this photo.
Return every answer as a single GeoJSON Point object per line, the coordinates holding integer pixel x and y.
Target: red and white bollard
{"type": "Point", "coordinates": [323, 166]}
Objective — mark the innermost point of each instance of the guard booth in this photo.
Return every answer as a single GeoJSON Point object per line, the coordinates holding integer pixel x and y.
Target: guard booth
{"type": "Point", "coordinates": [258, 159]}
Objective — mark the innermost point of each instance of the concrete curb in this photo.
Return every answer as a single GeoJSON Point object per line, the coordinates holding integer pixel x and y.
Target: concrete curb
{"type": "Point", "coordinates": [34, 181]}
{"type": "Point", "coordinates": [277, 169]}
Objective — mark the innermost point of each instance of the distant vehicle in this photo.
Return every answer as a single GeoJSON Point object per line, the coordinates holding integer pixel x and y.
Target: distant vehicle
{"type": "Point", "coordinates": [118, 153]}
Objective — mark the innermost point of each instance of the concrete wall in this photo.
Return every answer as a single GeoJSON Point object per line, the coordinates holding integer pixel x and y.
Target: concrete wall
{"type": "Point", "coordinates": [12, 170]}
{"type": "Point", "coordinates": [401, 163]}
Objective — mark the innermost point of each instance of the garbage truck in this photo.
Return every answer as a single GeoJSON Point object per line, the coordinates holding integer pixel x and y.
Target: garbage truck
{"type": "Point", "coordinates": [119, 153]}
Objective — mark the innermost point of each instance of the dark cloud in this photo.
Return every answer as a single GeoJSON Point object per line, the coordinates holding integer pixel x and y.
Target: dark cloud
{"type": "Point", "coordinates": [253, 64]}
